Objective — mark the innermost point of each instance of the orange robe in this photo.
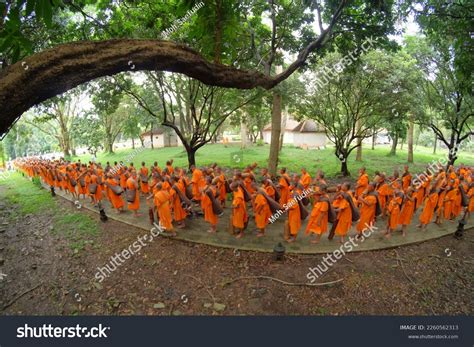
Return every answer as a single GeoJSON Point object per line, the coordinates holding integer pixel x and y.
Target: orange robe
{"type": "Point", "coordinates": [305, 180]}
{"type": "Point", "coordinates": [98, 193]}
{"type": "Point", "coordinates": [367, 213]}
{"type": "Point", "coordinates": [262, 211]}
{"type": "Point", "coordinates": [284, 189]}
{"type": "Point", "coordinates": [239, 213]}
{"type": "Point", "coordinates": [320, 208]}
{"type": "Point", "coordinates": [470, 194]}
{"type": "Point", "coordinates": [344, 216]}
{"type": "Point", "coordinates": [428, 210]}
{"type": "Point", "coordinates": [406, 181]}
{"type": "Point", "coordinates": [294, 216]}
{"type": "Point", "coordinates": [270, 191]}
{"type": "Point", "coordinates": [406, 214]}
{"type": "Point", "coordinates": [178, 211]}
{"type": "Point", "coordinates": [198, 184]}
{"type": "Point", "coordinates": [206, 205]}
{"type": "Point", "coordinates": [144, 186]}
{"type": "Point", "coordinates": [162, 203]}
{"type": "Point", "coordinates": [363, 182]}
{"type": "Point", "coordinates": [448, 203]}
{"type": "Point", "coordinates": [221, 187]}
{"type": "Point", "coordinates": [116, 200]}
{"type": "Point", "coordinates": [394, 211]}
{"type": "Point", "coordinates": [384, 192]}
{"type": "Point", "coordinates": [131, 185]}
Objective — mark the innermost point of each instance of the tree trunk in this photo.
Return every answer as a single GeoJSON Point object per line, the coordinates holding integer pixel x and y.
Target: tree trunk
{"type": "Point", "coordinates": [435, 145]}
{"type": "Point", "coordinates": [243, 135]}
{"type": "Point", "coordinates": [359, 141]}
{"type": "Point", "coordinates": [133, 143]}
{"type": "Point", "coordinates": [110, 147]}
{"type": "Point", "coordinates": [344, 169]}
{"type": "Point", "coordinates": [401, 144]}
{"type": "Point", "coordinates": [151, 138]}
{"type": "Point", "coordinates": [276, 130]}
{"type": "Point", "coordinates": [411, 128]}
{"type": "Point", "coordinates": [393, 151]}
{"type": "Point", "coordinates": [261, 134]}
{"type": "Point", "coordinates": [191, 156]}
{"type": "Point", "coordinates": [374, 138]}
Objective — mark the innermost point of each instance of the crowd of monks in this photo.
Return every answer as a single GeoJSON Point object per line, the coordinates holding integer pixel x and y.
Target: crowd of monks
{"type": "Point", "coordinates": [173, 194]}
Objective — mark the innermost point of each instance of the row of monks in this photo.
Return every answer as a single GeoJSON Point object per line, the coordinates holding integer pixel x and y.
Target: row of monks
{"type": "Point", "coordinates": [172, 195]}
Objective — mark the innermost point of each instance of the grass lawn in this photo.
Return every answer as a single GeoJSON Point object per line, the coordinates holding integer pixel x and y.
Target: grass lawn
{"type": "Point", "coordinates": [290, 157]}
{"type": "Point", "coordinates": [29, 198]}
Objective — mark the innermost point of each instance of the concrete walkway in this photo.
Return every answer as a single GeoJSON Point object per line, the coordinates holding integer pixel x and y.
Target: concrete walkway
{"type": "Point", "coordinates": [196, 231]}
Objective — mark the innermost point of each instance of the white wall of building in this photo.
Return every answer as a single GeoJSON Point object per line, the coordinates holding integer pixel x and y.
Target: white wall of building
{"type": "Point", "coordinates": [311, 140]}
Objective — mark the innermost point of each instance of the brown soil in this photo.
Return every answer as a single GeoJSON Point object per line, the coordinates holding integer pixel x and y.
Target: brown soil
{"type": "Point", "coordinates": [45, 277]}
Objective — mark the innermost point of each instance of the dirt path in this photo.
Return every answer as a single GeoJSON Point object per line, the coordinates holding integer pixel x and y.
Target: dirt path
{"type": "Point", "coordinates": [44, 275]}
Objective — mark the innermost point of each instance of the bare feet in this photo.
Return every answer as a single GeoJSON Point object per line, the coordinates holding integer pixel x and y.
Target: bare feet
{"type": "Point", "coordinates": [239, 236]}
{"type": "Point", "coordinates": [260, 234]}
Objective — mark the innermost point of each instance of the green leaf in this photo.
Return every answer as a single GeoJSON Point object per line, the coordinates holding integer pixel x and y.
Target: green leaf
{"type": "Point", "coordinates": [30, 6]}
{"type": "Point", "coordinates": [48, 13]}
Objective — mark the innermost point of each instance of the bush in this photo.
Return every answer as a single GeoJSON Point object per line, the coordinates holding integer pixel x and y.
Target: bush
{"type": "Point", "coordinates": [260, 142]}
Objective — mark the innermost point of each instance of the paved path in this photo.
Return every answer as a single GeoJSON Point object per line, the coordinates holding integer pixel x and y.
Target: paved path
{"type": "Point", "coordinates": [196, 231]}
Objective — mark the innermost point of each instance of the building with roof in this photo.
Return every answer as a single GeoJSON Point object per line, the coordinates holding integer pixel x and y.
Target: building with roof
{"type": "Point", "coordinates": [304, 134]}
{"type": "Point", "coordinates": [160, 137]}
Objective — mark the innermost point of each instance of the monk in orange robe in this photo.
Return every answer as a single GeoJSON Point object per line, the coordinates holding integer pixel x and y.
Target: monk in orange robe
{"type": "Point", "coordinates": [239, 210]}
{"type": "Point", "coordinates": [144, 178]}
{"type": "Point", "coordinates": [132, 186]}
{"type": "Point", "coordinates": [385, 191]}
{"type": "Point", "coordinates": [262, 212]}
{"type": "Point", "coordinates": [305, 178]}
{"type": "Point", "coordinates": [71, 182]}
{"type": "Point", "coordinates": [368, 203]}
{"type": "Point", "coordinates": [97, 196]}
{"type": "Point", "coordinates": [179, 213]}
{"type": "Point", "coordinates": [162, 205]}
{"type": "Point", "coordinates": [115, 200]}
{"type": "Point", "coordinates": [267, 185]}
{"type": "Point", "coordinates": [428, 209]}
{"type": "Point", "coordinates": [169, 167]}
{"type": "Point", "coordinates": [407, 211]}
{"type": "Point", "coordinates": [206, 205]}
{"type": "Point", "coordinates": [393, 209]}
{"type": "Point", "coordinates": [221, 186]}
{"type": "Point", "coordinates": [448, 201]}
{"type": "Point", "coordinates": [470, 195]}
{"type": "Point", "coordinates": [318, 221]}
{"type": "Point", "coordinates": [294, 218]}
{"type": "Point", "coordinates": [406, 179]}
{"type": "Point", "coordinates": [343, 212]}
{"type": "Point", "coordinates": [362, 182]}
{"type": "Point", "coordinates": [284, 184]}
{"type": "Point", "coordinates": [198, 183]}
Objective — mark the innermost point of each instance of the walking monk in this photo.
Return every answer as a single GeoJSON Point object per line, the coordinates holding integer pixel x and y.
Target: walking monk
{"type": "Point", "coordinates": [262, 212]}
{"type": "Point", "coordinates": [393, 209]}
{"type": "Point", "coordinates": [198, 183]}
{"type": "Point", "coordinates": [428, 210]}
{"type": "Point", "coordinates": [162, 205]}
{"type": "Point", "coordinates": [284, 184]}
{"type": "Point", "coordinates": [343, 212]}
{"type": "Point", "coordinates": [144, 186]}
{"type": "Point", "coordinates": [206, 205]}
{"type": "Point", "coordinates": [408, 209]}
{"type": "Point", "coordinates": [115, 199]}
{"type": "Point", "coordinates": [362, 182]}
{"type": "Point", "coordinates": [294, 218]}
{"type": "Point", "coordinates": [368, 202]}
{"type": "Point", "coordinates": [239, 211]}
{"type": "Point", "coordinates": [132, 188]}
{"type": "Point", "coordinates": [318, 221]}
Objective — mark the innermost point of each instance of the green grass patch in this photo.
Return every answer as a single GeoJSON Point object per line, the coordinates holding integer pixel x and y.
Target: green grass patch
{"type": "Point", "coordinates": [28, 196]}
{"type": "Point", "coordinates": [291, 157]}
{"type": "Point", "coordinates": [78, 228]}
